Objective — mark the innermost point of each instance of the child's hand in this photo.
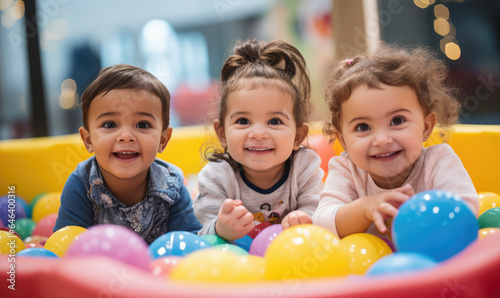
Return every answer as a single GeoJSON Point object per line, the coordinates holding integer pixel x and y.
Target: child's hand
{"type": "Point", "coordinates": [296, 217]}
{"type": "Point", "coordinates": [379, 207]}
{"type": "Point", "coordinates": [234, 220]}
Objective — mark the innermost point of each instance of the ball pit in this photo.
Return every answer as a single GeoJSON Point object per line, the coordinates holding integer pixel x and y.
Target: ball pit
{"type": "Point", "coordinates": [474, 268]}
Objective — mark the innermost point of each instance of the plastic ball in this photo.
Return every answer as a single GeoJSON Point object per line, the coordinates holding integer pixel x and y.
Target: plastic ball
{"type": "Point", "coordinates": [214, 240]}
{"type": "Point", "coordinates": [45, 226]}
{"type": "Point", "coordinates": [114, 242]}
{"type": "Point", "coordinates": [435, 223]}
{"type": "Point", "coordinates": [35, 199]}
{"type": "Point", "coordinates": [485, 232]}
{"type": "Point", "coordinates": [401, 262]}
{"type": "Point", "coordinates": [214, 265]}
{"type": "Point", "coordinates": [488, 200]}
{"type": "Point", "coordinates": [305, 251]}
{"type": "Point", "coordinates": [60, 241]}
{"type": "Point", "coordinates": [258, 228]}
{"type": "Point", "coordinates": [263, 240]}
{"type": "Point", "coordinates": [10, 243]}
{"type": "Point", "coordinates": [244, 242]}
{"type": "Point", "coordinates": [38, 252]}
{"type": "Point", "coordinates": [176, 244]}
{"type": "Point", "coordinates": [6, 229]}
{"type": "Point", "coordinates": [35, 239]}
{"type": "Point", "coordinates": [24, 227]}
{"type": "Point", "coordinates": [163, 266]}
{"type": "Point", "coordinates": [10, 210]}
{"type": "Point", "coordinates": [490, 218]}
{"type": "Point", "coordinates": [232, 248]}
{"type": "Point", "coordinates": [47, 204]}
{"type": "Point", "coordinates": [363, 250]}
{"type": "Point", "coordinates": [26, 206]}
{"type": "Point", "coordinates": [323, 148]}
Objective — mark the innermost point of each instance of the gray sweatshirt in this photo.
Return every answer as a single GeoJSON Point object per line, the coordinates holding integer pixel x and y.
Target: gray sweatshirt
{"type": "Point", "coordinates": [299, 189]}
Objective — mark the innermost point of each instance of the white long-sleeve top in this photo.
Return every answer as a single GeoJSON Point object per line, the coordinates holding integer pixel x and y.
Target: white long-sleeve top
{"type": "Point", "coordinates": [438, 167]}
{"type": "Point", "coordinates": [300, 189]}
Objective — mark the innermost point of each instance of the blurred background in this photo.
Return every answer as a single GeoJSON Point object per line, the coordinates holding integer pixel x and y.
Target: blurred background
{"type": "Point", "coordinates": [50, 50]}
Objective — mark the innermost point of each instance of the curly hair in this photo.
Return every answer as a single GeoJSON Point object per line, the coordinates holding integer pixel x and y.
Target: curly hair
{"type": "Point", "coordinates": [275, 64]}
{"type": "Point", "coordinates": [418, 68]}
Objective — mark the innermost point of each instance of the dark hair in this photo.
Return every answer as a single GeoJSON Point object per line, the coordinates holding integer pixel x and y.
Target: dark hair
{"type": "Point", "coordinates": [123, 76]}
{"type": "Point", "coordinates": [417, 68]}
{"type": "Point", "coordinates": [275, 64]}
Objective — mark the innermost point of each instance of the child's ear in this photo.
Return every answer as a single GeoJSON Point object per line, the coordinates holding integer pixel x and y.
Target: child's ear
{"type": "Point", "coordinates": [221, 134]}
{"type": "Point", "coordinates": [85, 135]}
{"type": "Point", "coordinates": [300, 136]}
{"type": "Point", "coordinates": [165, 137]}
{"type": "Point", "coordinates": [429, 123]}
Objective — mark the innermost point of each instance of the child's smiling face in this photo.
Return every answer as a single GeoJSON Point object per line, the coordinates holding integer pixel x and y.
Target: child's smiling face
{"type": "Point", "coordinates": [125, 132]}
{"type": "Point", "coordinates": [383, 131]}
{"type": "Point", "coordinates": [259, 129]}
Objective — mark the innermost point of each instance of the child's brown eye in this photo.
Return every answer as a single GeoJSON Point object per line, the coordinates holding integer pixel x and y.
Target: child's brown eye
{"type": "Point", "coordinates": [143, 125]}
{"type": "Point", "coordinates": [275, 121]}
{"type": "Point", "coordinates": [362, 127]}
{"type": "Point", "coordinates": [397, 121]}
{"type": "Point", "coordinates": [109, 125]}
{"type": "Point", "coordinates": [243, 121]}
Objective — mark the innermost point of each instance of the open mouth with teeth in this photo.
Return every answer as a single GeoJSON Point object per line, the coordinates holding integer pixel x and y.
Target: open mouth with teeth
{"type": "Point", "coordinates": [259, 149]}
{"type": "Point", "coordinates": [126, 155]}
{"type": "Point", "coordinates": [386, 156]}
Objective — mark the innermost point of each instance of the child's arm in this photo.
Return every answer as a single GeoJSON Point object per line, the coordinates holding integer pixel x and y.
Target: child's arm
{"type": "Point", "coordinates": [446, 172]}
{"type": "Point", "coordinates": [358, 215]}
{"type": "Point", "coordinates": [306, 166]}
{"type": "Point", "coordinates": [76, 209]}
{"type": "Point", "coordinates": [182, 216]}
{"type": "Point", "coordinates": [216, 185]}
{"type": "Point", "coordinates": [234, 220]}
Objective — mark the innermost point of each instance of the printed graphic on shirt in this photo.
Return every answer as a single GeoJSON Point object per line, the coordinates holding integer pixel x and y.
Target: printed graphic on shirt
{"type": "Point", "coordinates": [273, 217]}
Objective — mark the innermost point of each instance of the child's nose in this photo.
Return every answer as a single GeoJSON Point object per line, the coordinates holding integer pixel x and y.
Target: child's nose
{"type": "Point", "coordinates": [126, 136]}
{"type": "Point", "coordinates": [382, 137]}
{"type": "Point", "coordinates": [259, 132]}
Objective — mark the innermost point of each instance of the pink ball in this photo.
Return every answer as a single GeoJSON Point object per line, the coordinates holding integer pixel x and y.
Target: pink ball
{"type": "Point", "coordinates": [114, 242]}
{"type": "Point", "coordinates": [45, 227]}
{"type": "Point", "coordinates": [162, 266]}
{"type": "Point", "coordinates": [263, 240]}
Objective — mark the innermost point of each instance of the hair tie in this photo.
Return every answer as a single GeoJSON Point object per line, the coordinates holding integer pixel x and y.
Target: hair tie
{"type": "Point", "coordinates": [348, 61]}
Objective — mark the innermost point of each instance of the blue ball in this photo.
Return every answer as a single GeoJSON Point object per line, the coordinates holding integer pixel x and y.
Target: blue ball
{"type": "Point", "coordinates": [176, 244]}
{"type": "Point", "coordinates": [244, 242]}
{"type": "Point", "coordinates": [37, 252]}
{"type": "Point", "coordinates": [436, 223]}
{"type": "Point", "coordinates": [400, 262]}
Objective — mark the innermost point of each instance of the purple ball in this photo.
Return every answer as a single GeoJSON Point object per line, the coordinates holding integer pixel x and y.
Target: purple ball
{"type": "Point", "coordinates": [10, 207]}
{"type": "Point", "coordinates": [263, 240]}
{"type": "Point", "coordinates": [114, 242]}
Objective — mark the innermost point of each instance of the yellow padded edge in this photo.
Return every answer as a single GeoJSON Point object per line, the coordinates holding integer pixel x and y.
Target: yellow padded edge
{"type": "Point", "coordinates": [39, 165]}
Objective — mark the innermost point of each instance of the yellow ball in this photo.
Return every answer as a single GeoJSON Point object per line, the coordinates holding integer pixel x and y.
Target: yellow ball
{"type": "Point", "coordinates": [47, 204]}
{"type": "Point", "coordinates": [363, 250]}
{"type": "Point", "coordinates": [484, 232]}
{"type": "Point", "coordinates": [215, 265]}
{"type": "Point", "coordinates": [61, 239]}
{"type": "Point", "coordinates": [10, 244]}
{"type": "Point", "coordinates": [305, 251]}
{"type": "Point", "coordinates": [488, 200]}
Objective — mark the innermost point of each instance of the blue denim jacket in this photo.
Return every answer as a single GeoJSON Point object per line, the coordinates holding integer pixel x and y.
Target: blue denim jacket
{"type": "Point", "coordinates": [87, 201]}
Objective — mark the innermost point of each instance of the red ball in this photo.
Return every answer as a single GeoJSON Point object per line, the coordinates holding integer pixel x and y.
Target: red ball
{"type": "Point", "coordinates": [45, 226]}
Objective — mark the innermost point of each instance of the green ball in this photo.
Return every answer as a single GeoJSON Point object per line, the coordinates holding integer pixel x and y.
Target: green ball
{"type": "Point", "coordinates": [214, 240]}
{"type": "Point", "coordinates": [490, 218]}
{"type": "Point", "coordinates": [24, 227]}
{"type": "Point", "coordinates": [232, 248]}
